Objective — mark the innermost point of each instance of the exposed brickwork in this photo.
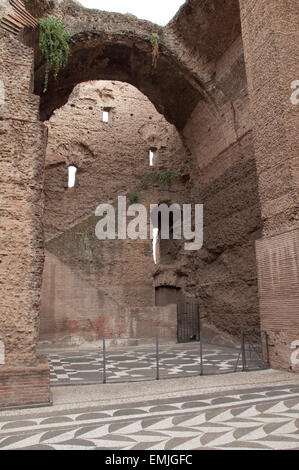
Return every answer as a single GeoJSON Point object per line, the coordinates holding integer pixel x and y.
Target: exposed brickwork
{"type": "Point", "coordinates": [278, 267]}
{"type": "Point", "coordinates": [270, 36]}
{"type": "Point", "coordinates": [88, 283]}
{"type": "Point", "coordinates": [22, 144]}
{"type": "Point", "coordinates": [223, 274]}
{"type": "Point", "coordinates": [21, 386]}
{"type": "Point", "coordinates": [243, 167]}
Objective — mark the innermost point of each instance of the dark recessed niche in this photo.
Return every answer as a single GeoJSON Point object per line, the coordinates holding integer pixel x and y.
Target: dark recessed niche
{"type": "Point", "coordinates": [166, 295]}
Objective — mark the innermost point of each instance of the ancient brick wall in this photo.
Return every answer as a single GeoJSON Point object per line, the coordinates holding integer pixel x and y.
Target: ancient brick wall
{"type": "Point", "coordinates": [270, 35]}
{"type": "Point", "coordinates": [22, 150]}
{"type": "Point", "coordinates": [223, 274]}
{"type": "Point", "coordinates": [88, 282]}
{"type": "Point", "coordinates": [243, 166]}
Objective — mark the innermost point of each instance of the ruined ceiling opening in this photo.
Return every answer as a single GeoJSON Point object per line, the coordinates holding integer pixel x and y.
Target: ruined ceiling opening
{"type": "Point", "coordinates": [155, 10]}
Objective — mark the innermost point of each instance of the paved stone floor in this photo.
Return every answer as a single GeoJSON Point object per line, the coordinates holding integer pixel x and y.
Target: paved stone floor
{"type": "Point", "coordinates": [86, 367]}
{"type": "Point", "coordinates": [259, 418]}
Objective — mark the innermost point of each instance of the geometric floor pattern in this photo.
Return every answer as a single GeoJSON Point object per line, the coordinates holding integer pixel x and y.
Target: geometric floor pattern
{"type": "Point", "coordinates": [137, 364]}
{"type": "Point", "coordinates": [254, 419]}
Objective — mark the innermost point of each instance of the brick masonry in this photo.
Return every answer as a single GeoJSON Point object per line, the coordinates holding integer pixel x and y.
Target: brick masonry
{"type": "Point", "coordinates": [278, 267]}
{"type": "Point", "coordinates": [25, 386]}
{"type": "Point", "coordinates": [228, 93]}
{"type": "Point", "coordinates": [88, 283]}
{"type": "Point", "coordinates": [22, 143]}
{"type": "Point", "coordinates": [270, 36]}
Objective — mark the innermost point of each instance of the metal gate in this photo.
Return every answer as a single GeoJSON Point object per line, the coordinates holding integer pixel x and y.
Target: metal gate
{"type": "Point", "coordinates": [188, 321]}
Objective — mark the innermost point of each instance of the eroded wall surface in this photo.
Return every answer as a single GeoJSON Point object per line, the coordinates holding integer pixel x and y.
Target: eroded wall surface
{"type": "Point", "coordinates": [24, 378]}
{"type": "Point", "coordinates": [88, 282]}
{"type": "Point", "coordinates": [219, 134]}
{"type": "Point", "coordinates": [270, 35]}
{"type": "Point", "coordinates": [243, 166]}
{"type": "Point", "coordinates": [218, 169]}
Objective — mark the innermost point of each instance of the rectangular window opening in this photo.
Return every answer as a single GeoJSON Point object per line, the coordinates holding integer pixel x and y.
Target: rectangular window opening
{"type": "Point", "coordinates": [72, 170]}
{"type": "Point", "coordinates": [106, 115]}
{"type": "Point", "coordinates": [152, 156]}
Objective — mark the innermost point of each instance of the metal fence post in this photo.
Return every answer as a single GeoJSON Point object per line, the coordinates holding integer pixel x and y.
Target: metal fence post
{"type": "Point", "coordinates": [267, 348]}
{"type": "Point", "coordinates": [157, 359]}
{"type": "Point", "coordinates": [201, 355]}
{"type": "Point", "coordinates": [243, 351]}
{"type": "Point", "coordinates": [200, 341]}
{"type": "Point", "coordinates": [104, 361]}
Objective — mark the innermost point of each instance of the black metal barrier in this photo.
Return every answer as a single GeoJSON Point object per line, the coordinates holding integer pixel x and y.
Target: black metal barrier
{"type": "Point", "coordinates": [201, 349]}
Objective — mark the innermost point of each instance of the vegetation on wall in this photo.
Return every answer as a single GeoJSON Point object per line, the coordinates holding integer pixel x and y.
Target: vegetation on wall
{"type": "Point", "coordinates": [54, 45]}
{"type": "Point", "coordinates": [165, 177]}
{"type": "Point", "coordinates": [155, 52]}
{"type": "Point", "coordinates": [151, 177]}
{"type": "Point", "coordinates": [133, 196]}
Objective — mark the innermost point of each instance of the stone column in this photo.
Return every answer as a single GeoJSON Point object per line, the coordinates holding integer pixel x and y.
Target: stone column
{"type": "Point", "coordinates": [271, 37]}
{"type": "Point", "coordinates": [24, 379]}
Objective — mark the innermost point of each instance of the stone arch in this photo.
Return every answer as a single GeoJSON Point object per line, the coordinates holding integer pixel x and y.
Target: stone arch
{"type": "Point", "coordinates": [118, 47]}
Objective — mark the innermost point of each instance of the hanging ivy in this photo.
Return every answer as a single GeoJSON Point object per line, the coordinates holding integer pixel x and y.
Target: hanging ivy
{"type": "Point", "coordinates": [54, 46]}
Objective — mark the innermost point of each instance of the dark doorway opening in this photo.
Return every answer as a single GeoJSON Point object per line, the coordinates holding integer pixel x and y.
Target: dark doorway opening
{"type": "Point", "coordinates": [166, 295]}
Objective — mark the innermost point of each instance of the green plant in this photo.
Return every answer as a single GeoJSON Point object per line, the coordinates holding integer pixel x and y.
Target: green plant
{"type": "Point", "coordinates": [54, 45]}
{"type": "Point", "coordinates": [148, 177]}
{"type": "Point", "coordinates": [133, 196]}
{"type": "Point", "coordinates": [152, 176]}
{"type": "Point", "coordinates": [155, 52]}
{"type": "Point", "coordinates": [166, 176]}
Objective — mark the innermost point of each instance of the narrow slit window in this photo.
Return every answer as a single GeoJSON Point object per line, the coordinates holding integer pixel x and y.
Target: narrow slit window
{"type": "Point", "coordinates": [72, 170]}
{"type": "Point", "coordinates": [155, 241]}
{"type": "Point", "coordinates": [106, 115]}
{"type": "Point", "coordinates": [152, 156]}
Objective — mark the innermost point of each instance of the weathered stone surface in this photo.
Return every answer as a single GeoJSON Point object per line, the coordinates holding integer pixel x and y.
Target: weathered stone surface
{"type": "Point", "coordinates": [87, 281]}
{"type": "Point", "coordinates": [113, 46]}
{"type": "Point", "coordinates": [270, 34]}
{"type": "Point", "coordinates": [228, 92]}
{"type": "Point", "coordinates": [22, 145]}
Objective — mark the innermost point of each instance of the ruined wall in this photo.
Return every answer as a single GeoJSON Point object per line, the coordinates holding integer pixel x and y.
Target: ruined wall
{"type": "Point", "coordinates": [87, 282]}
{"type": "Point", "coordinates": [242, 177]}
{"type": "Point", "coordinates": [220, 165]}
{"type": "Point", "coordinates": [219, 134]}
{"type": "Point", "coordinates": [270, 34]}
{"type": "Point", "coordinates": [24, 378]}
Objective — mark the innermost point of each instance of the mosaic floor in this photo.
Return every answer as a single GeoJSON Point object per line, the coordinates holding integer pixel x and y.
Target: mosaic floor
{"type": "Point", "coordinates": [254, 419]}
{"type": "Point", "coordinates": [137, 364]}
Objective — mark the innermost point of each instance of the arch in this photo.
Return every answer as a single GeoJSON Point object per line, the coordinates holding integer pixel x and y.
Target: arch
{"type": "Point", "coordinates": [118, 47]}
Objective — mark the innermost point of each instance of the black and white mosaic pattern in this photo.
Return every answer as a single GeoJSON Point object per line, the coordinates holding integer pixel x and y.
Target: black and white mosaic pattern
{"type": "Point", "coordinates": [137, 364]}
{"type": "Point", "coordinates": [254, 419]}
